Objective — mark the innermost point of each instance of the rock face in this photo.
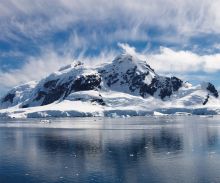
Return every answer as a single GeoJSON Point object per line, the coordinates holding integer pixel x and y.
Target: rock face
{"type": "Point", "coordinates": [211, 88]}
{"type": "Point", "coordinates": [126, 74]}
{"type": "Point", "coordinates": [163, 86]}
{"type": "Point", "coordinates": [136, 77]}
{"type": "Point", "coordinates": [53, 90]}
{"type": "Point", "coordinates": [17, 95]}
{"type": "Point", "coordinates": [8, 98]}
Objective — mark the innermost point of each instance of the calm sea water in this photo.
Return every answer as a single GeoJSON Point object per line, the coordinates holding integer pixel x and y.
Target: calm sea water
{"type": "Point", "coordinates": [104, 150]}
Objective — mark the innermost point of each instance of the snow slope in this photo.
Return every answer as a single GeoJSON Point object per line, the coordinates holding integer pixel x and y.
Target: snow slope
{"type": "Point", "coordinates": [125, 87]}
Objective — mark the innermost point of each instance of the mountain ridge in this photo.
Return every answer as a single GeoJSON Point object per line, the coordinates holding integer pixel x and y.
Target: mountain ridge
{"type": "Point", "coordinates": [126, 75]}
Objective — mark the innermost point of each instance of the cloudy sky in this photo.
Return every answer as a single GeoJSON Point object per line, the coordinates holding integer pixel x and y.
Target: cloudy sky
{"type": "Point", "coordinates": [180, 37]}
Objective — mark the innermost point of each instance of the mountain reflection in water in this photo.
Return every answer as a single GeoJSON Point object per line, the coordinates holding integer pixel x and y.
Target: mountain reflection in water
{"type": "Point", "coordinates": [142, 149]}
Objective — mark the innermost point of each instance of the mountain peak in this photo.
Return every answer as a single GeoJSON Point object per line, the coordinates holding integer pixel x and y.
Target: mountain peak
{"type": "Point", "coordinates": [71, 66]}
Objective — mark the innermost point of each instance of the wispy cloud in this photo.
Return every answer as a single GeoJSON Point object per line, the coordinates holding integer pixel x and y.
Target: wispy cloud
{"type": "Point", "coordinates": [166, 61]}
{"type": "Point", "coordinates": [34, 69]}
{"type": "Point", "coordinates": [49, 61]}
{"type": "Point", "coordinates": [128, 20]}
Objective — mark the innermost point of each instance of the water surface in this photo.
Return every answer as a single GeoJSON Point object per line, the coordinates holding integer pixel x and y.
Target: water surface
{"type": "Point", "coordinates": [105, 150]}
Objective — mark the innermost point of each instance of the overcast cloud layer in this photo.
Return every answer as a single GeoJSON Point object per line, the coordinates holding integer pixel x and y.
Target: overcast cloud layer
{"type": "Point", "coordinates": [39, 36]}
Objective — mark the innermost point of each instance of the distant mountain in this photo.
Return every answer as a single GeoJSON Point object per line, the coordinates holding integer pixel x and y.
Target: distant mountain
{"type": "Point", "coordinates": [125, 87]}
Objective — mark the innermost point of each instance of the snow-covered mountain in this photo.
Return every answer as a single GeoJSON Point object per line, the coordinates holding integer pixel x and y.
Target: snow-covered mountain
{"type": "Point", "coordinates": [126, 86]}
